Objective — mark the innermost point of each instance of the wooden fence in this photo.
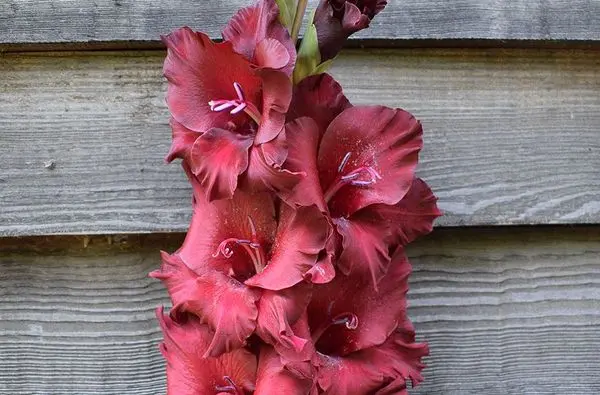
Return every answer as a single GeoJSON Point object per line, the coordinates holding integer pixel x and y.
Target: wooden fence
{"type": "Point", "coordinates": [506, 290]}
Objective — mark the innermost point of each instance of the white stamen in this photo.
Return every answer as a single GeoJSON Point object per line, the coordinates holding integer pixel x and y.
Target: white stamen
{"type": "Point", "coordinates": [344, 162]}
{"type": "Point", "coordinates": [223, 106]}
{"type": "Point", "coordinates": [252, 227]}
{"type": "Point", "coordinates": [349, 177]}
{"type": "Point", "coordinates": [239, 91]}
{"type": "Point", "coordinates": [239, 108]}
{"type": "Point", "coordinates": [374, 174]}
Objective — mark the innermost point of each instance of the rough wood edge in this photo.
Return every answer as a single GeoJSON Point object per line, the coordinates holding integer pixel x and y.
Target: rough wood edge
{"type": "Point", "coordinates": [109, 244]}
{"type": "Point", "coordinates": [120, 45]}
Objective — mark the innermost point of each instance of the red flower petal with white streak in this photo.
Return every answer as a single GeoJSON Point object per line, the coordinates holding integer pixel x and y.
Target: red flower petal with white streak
{"type": "Point", "coordinates": [188, 372]}
{"type": "Point", "coordinates": [368, 155]}
{"type": "Point", "coordinates": [251, 26]}
{"type": "Point", "coordinates": [303, 139]}
{"type": "Point", "coordinates": [195, 70]}
{"type": "Point", "coordinates": [348, 314]}
{"type": "Point", "coordinates": [264, 176]}
{"type": "Point", "coordinates": [275, 379]}
{"type": "Point", "coordinates": [301, 236]}
{"type": "Point", "coordinates": [226, 305]}
{"type": "Point", "coordinates": [319, 97]}
{"type": "Point", "coordinates": [217, 158]}
{"type": "Point", "coordinates": [374, 370]}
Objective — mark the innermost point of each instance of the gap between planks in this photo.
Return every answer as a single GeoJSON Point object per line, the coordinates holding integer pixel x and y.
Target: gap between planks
{"type": "Point", "coordinates": [505, 310]}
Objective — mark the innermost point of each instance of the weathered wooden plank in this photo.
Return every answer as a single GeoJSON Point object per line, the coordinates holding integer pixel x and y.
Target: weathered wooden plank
{"type": "Point", "coordinates": [37, 22]}
{"type": "Point", "coordinates": [511, 137]}
{"type": "Point", "coordinates": [506, 311]}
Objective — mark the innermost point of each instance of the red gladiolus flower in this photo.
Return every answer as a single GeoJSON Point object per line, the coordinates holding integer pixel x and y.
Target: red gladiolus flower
{"type": "Point", "coordinates": [189, 373]}
{"type": "Point", "coordinates": [363, 340]}
{"type": "Point", "coordinates": [359, 169]}
{"type": "Point", "coordinates": [336, 20]}
{"type": "Point", "coordinates": [234, 249]}
{"type": "Point", "coordinates": [227, 116]}
{"type": "Point", "coordinates": [292, 278]}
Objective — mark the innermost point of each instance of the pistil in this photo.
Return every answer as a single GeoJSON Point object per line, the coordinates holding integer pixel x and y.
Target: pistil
{"type": "Point", "coordinates": [350, 320]}
{"type": "Point", "coordinates": [230, 388]}
{"type": "Point", "coordinates": [252, 247]}
{"type": "Point", "coordinates": [360, 177]}
{"type": "Point", "coordinates": [236, 105]}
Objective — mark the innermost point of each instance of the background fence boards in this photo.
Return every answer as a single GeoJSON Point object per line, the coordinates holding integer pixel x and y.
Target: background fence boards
{"type": "Point", "coordinates": [109, 21]}
{"type": "Point", "coordinates": [505, 311]}
{"type": "Point", "coordinates": [511, 136]}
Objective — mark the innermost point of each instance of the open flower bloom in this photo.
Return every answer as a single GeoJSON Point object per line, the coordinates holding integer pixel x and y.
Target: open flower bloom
{"type": "Point", "coordinates": [363, 339]}
{"type": "Point", "coordinates": [336, 20]}
{"type": "Point", "coordinates": [186, 340]}
{"type": "Point", "coordinates": [228, 116]}
{"type": "Point", "coordinates": [257, 34]}
{"type": "Point", "coordinates": [243, 265]}
{"type": "Point", "coordinates": [359, 165]}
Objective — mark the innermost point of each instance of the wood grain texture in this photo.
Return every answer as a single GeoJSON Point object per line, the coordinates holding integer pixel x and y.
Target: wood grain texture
{"type": "Point", "coordinates": [505, 310]}
{"type": "Point", "coordinates": [511, 137]}
{"type": "Point", "coordinates": [25, 22]}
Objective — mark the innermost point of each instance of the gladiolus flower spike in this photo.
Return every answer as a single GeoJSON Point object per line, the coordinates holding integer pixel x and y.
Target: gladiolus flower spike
{"type": "Point", "coordinates": [292, 278]}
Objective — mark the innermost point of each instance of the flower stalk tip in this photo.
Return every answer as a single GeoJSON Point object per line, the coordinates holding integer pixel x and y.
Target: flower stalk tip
{"type": "Point", "coordinates": [299, 16]}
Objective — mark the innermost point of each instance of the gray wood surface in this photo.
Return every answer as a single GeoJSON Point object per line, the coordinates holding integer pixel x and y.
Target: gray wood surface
{"type": "Point", "coordinates": [142, 21]}
{"type": "Point", "coordinates": [511, 136]}
{"type": "Point", "coordinates": [506, 311]}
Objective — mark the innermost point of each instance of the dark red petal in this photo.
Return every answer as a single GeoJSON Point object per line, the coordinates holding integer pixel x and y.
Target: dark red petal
{"type": "Point", "coordinates": [278, 311]}
{"type": "Point", "coordinates": [276, 98]}
{"type": "Point", "coordinates": [413, 216]}
{"type": "Point", "coordinates": [319, 97]}
{"type": "Point", "coordinates": [335, 24]}
{"type": "Point", "coordinates": [374, 369]}
{"type": "Point", "coordinates": [273, 378]}
{"type": "Point", "coordinates": [227, 218]}
{"type": "Point", "coordinates": [226, 305]}
{"type": "Point", "coordinates": [379, 312]}
{"type": "Point", "coordinates": [364, 245]}
{"type": "Point", "coordinates": [323, 271]}
{"type": "Point", "coordinates": [303, 139]}
{"type": "Point", "coordinates": [263, 176]}
{"type": "Point", "coordinates": [250, 26]}
{"type": "Point", "coordinates": [188, 372]}
{"type": "Point", "coordinates": [272, 54]}
{"type": "Point", "coordinates": [388, 140]}
{"type": "Point", "coordinates": [218, 157]}
{"type": "Point", "coordinates": [198, 71]}
{"type": "Point", "coordinates": [301, 235]}
{"type": "Point", "coordinates": [275, 152]}
{"type": "Point", "coordinates": [371, 7]}
{"type": "Point", "coordinates": [183, 140]}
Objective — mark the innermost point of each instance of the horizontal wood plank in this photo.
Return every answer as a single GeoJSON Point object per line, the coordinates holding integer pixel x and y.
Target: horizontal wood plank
{"type": "Point", "coordinates": [511, 136]}
{"type": "Point", "coordinates": [25, 23]}
{"type": "Point", "coordinates": [506, 311]}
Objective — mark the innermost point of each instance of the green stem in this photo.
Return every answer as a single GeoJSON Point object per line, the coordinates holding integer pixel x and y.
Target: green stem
{"type": "Point", "coordinates": [300, 10]}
